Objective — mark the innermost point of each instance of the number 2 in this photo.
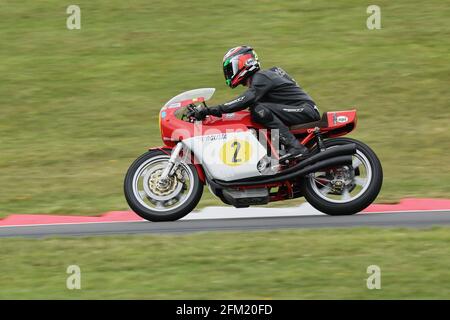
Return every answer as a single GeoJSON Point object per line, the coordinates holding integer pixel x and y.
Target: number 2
{"type": "Point", "coordinates": [237, 147]}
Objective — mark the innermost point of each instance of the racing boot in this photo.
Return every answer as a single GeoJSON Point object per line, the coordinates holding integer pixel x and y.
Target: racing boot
{"type": "Point", "coordinates": [293, 148]}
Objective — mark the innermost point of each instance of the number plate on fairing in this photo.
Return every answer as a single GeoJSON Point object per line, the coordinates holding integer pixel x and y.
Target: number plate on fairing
{"type": "Point", "coordinates": [228, 156]}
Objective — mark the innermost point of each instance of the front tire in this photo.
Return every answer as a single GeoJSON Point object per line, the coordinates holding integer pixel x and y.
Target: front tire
{"type": "Point", "coordinates": [349, 189]}
{"type": "Point", "coordinates": [154, 203]}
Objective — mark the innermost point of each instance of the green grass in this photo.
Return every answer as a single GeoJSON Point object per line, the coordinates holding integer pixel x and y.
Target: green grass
{"type": "Point", "coordinates": [76, 107]}
{"type": "Point", "coordinates": [300, 264]}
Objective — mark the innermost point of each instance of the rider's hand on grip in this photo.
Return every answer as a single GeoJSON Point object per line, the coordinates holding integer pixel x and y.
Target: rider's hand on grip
{"type": "Point", "coordinates": [198, 112]}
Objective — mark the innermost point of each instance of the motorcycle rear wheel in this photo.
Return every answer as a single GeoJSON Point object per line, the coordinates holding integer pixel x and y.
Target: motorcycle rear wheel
{"type": "Point", "coordinates": [345, 190]}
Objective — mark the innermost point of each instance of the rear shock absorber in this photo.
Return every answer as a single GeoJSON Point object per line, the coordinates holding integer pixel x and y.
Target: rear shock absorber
{"type": "Point", "coordinates": [318, 136]}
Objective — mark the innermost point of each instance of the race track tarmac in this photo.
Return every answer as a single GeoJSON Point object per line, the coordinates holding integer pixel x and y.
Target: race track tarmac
{"type": "Point", "coordinates": [398, 219]}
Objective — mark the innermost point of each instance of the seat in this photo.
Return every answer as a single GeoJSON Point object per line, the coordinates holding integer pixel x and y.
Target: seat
{"type": "Point", "coordinates": [322, 123]}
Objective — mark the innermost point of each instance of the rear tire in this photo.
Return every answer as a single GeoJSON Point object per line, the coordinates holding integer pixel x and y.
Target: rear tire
{"type": "Point", "coordinates": [141, 202]}
{"type": "Point", "coordinates": [361, 201]}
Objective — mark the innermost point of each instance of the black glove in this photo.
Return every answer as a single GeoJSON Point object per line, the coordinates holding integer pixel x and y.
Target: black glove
{"type": "Point", "coordinates": [200, 112]}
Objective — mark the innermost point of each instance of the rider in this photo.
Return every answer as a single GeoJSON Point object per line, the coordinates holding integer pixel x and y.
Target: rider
{"type": "Point", "coordinates": [274, 98]}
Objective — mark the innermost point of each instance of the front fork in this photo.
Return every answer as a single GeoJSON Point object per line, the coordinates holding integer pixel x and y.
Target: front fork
{"type": "Point", "coordinates": [171, 165]}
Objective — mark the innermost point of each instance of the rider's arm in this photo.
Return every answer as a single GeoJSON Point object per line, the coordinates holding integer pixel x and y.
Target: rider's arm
{"type": "Point", "coordinates": [258, 88]}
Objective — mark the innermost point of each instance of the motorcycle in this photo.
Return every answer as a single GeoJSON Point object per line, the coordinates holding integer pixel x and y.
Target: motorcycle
{"type": "Point", "coordinates": [239, 161]}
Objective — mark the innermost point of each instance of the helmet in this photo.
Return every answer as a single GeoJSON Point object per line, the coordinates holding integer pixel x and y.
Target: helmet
{"type": "Point", "coordinates": [238, 64]}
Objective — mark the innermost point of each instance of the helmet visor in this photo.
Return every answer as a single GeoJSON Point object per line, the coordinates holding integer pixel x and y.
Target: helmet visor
{"type": "Point", "coordinates": [231, 67]}
{"type": "Point", "coordinates": [227, 70]}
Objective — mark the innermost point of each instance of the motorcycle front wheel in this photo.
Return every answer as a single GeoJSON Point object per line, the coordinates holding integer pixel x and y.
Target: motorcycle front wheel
{"type": "Point", "coordinates": [155, 202]}
{"type": "Point", "coordinates": [345, 190]}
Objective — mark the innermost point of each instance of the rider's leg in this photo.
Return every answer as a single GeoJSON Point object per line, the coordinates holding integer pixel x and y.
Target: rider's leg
{"type": "Point", "coordinates": [262, 113]}
{"type": "Point", "coordinates": [292, 115]}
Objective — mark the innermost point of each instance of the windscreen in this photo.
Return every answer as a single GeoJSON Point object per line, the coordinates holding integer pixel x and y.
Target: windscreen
{"type": "Point", "coordinates": [205, 93]}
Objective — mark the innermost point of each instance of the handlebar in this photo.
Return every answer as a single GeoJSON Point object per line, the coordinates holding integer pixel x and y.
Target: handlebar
{"type": "Point", "coordinates": [192, 110]}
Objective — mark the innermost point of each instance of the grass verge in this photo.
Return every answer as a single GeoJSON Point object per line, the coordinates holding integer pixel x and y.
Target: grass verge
{"type": "Point", "coordinates": [285, 264]}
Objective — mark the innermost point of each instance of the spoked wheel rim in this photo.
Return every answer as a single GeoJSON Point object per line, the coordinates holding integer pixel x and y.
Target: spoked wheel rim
{"type": "Point", "coordinates": [162, 198]}
{"type": "Point", "coordinates": [345, 183]}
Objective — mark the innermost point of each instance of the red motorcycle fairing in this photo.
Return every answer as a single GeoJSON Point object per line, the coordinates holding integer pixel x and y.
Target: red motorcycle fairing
{"type": "Point", "coordinates": [174, 129]}
{"type": "Point", "coordinates": [334, 123]}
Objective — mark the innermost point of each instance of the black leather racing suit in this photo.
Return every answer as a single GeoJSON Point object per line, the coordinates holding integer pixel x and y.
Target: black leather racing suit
{"type": "Point", "coordinates": [275, 100]}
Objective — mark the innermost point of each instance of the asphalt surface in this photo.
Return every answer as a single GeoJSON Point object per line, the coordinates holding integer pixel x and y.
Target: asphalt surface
{"type": "Point", "coordinates": [400, 219]}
